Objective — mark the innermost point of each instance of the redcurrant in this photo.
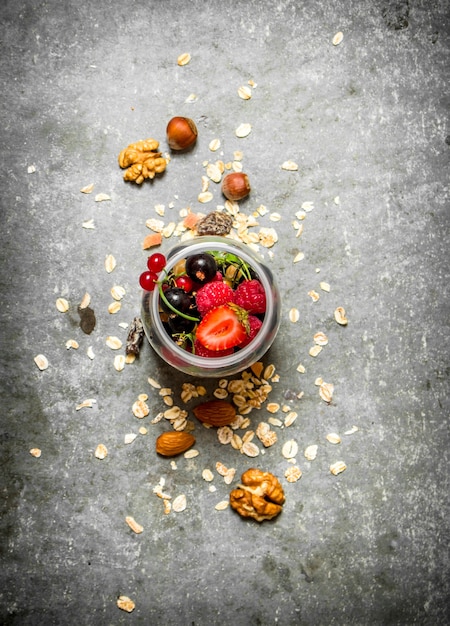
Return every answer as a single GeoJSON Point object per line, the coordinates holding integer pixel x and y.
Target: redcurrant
{"type": "Point", "coordinates": [185, 283]}
{"type": "Point", "coordinates": [156, 262]}
{"type": "Point", "coordinates": [147, 280]}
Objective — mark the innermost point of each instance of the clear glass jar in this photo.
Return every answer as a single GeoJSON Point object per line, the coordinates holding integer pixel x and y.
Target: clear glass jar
{"type": "Point", "coordinates": [192, 364]}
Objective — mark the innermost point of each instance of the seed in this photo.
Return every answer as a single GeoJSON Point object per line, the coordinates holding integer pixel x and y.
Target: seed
{"type": "Point", "coordinates": [315, 350]}
{"type": "Point", "coordinates": [140, 409]}
{"type": "Point", "coordinates": [320, 339]}
{"type": "Point", "coordinates": [41, 361]}
{"type": "Point", "coordinates": [333, 438]}
{"type": "Point", "coordinates": [340, 317]}
{"type": "Point", "coordinates": [119, 362]}
{"type": "Point", "coordinates": [337, 38]}
{"type": "Point", "coordinates": [338, 467]}
{"type": "Point", "coordinates": [292, 474]}
{"type": "Point", "coordinates": [101, 451]}
{"type": "Point", "coordinates": [62, 305]}
{"type": "Point", "coordinates": [294, 315]}
{"type": "Point", "coordinates": [290, 166]}
{"type": "Point", "coordinates": [311, 452]}
{"type": "Point", "coordinates": [289, 449]}
{"type": "Point", "coordinates": [245, 92]}
{"type": "Point", "coordinates": [214, 145]}
{"type": "Point", "coordinates": [207, 475]}
{"type": "Point", "coordinates": [243, 130]}
{"type": "Point", "coordinates": [113, 342]}
{"type": "Point", "coordinates": [184, 59]}
{"type": "Point", "coordinates": [114, 307]}
{"type": "Point", "coordinates": [36, 452]}
{"type": "Point", "coordinates": [110, 263]}
{"type": "Point", "coordinates": [126, 604]}
{"type": "Point", "coordinates": [132, 523]}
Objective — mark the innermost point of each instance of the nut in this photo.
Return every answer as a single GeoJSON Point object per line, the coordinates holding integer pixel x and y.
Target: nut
{"type": "Point", "coordinates": [174, 442]}
{"type": "Point", "coordinates": [260, 496]}
{"type": "Point", "coordinates": [215, 412]}
{"type": "Point", "coordinates": [142, 160]}
{"type": "Point", "coordinates": [181, 133]}
{"type": "Point", "coordinates": [236, 186]}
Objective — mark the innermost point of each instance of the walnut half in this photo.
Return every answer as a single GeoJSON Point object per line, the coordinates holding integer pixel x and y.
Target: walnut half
{"type": "Point", "coordinates": [260, 496]}
{"type": "Point", "coordinates": [142, 160]}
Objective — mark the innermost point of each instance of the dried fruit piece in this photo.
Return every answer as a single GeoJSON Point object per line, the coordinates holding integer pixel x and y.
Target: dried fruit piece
{"type": "Point", "coordinates": [132, 523]}
{"type": "Point", "coordinates": [171, 443]}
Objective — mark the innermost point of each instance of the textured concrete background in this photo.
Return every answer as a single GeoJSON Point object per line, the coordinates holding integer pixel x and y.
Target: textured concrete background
{"type": "Point", "coordinates": [367, 122]}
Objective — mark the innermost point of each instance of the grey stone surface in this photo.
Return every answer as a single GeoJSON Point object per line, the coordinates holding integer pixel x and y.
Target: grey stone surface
{"type": "Point", "coordinates": [367, 122]}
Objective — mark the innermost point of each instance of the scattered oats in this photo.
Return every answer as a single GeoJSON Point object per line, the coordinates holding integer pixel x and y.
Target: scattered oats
{"type": "Point", "coordinates": [167, 231]}
{"type": "Point", "coordinates": [155, 225]}
{"type": "Point", "coordinates": [338, 467]}
{"type": "Point", "coordinates": [340, 317]}
{"type": "Point", "coordinates": [126, 604]}
{"type": "Point", "coordinates": [113, 342]}
{"type": "Point", "coordinates": [221, 468]}
{"type": "Point", "coordinates": [212, 488]}
{"type": "Point", "coordinates": [289, 449]}
{"type": "Point", "coordinates": [191, 454]}
{"type": "Point", "coordinates": [237, 166]}
{"type": "Point", "coordinates": [41, 361]}
{"type": "Point", "coordinates": [168, 400]}
{"type": "Point", "coordinates": [315, 350]}
{"type": "Point", "coordinates": [205, 196]}
{"type": "Point", "coordinates": [219, 393]}
{"type": "Point", "coordinates": [179, 503]}
{"type": "Point", "coordinates": [290, 166]}
{"type": "Point", "coordinates": [117, 292]}
{"type": "Point", "coordinates": [86, 404]}
{"type": "Point", "coordinates": [248, 436]}
{"type": "Point", "coordinates": [310, 452]}
{"type": "Point", "coordinates": [337, 200]}
{"type": "Point", "coordinates": [236, 442]}
{"type": "Point", "coordinates": [130, 358]}
{"type": "Point", "coordinates": [214, 145]}
{"type": "Point", "coordinates": [294, 315]}
{"type": "Point", "coordinates": [173, 465]}
{"type": "Point", "coordinates": [167, 506]}
{"type": "Point", "coordinates": [143, 430]}
{"type": "Point", "coordinates": [324, 286]}
{"type": "Point", "coordinates": [160, 209]}
{"type": "Point", "coordinates": [119, 362]}
{"type": "Point", "coordinates": [71, 343]}
{"type": "Point", "coordinates": [313, 295]}
{"type": "Point", "coordinates": [307, 206]}
{"type": "Point", "coordinates": [266, 435]}
{"type": "Point", "coordinates": [262, 210]}
{"type": "Point", "coordinates": [290, 418]}
{"type": "Point", "coordinates": [267, 236]}
{"type": "Point", "coordinates": [85, 301]}
{"type": "Point", "coordinates": [245, 92]}
{"type": "Point", "coordinates": [132, 523]}
{"type": "Point", "coordinates": [269, 372]}
{"type": "Point", "coordinates": [320, 339]}
{"type": "Point", "coordinates": [299, 231]}
{"type": "Point", "coordinates": [299, 257]}
{"type": "Point", "coordinates": [274, 421]}
{"type": "Point", "coordinates": [101, 451]}
{"type": "Point", "coordinates": [62, 305]}
{"type": "Point", "coordinates": [173, 413]}
{"type": "Point", "coordinates": [110, 263]}
{"type": "Point", "coordinates": [90, 353]}
{"type": "Point", "coordinates": [213, 172]}
{"type": "Point", "coordinates": [292, 474]}
{"type": "Point", "coordinates": [337, 38]}
{"type": "Point", "coordinates": [300, 215]}
{"type": "Point", "coordinates": [250, 449]}
{"type": "Point", "coordinates": [274, 217]}
{"type": "Point", "coordinates": [183, 59]}
{"type": "Point", "coordinates": [154, 383]}
{"type": "Point", "coordinates": [123, 325]}
{"type": "Point", "coordinates": [273, 407]}
{"type": "Point", "coordinates": [352, 430]}
{"type": "Point", "coordinates": [129, 437]}
{"type": "Point", "coordinates": [205, 184]}
{"type": "Point", "coordinates": [31, 169]}
{"type": "Point", "coordinates": [222, 505]}
{"type": "Point", "coordinates": [224, 435]}
{"type": "Point", "coordinates": [301, 368]}
{"type": "Point", "coordinates": [243, 130]}
{"type": "Point", "coordinates": [165, 391]}
{"type": "Point", "coordinates": [326, 392]}
{"type": "Point", "coordinates": [333, 438]}
{"type": "Point", "coordinates": [191, 98]}
{"type": "Point", "coordinates": [89, 224]}
{"type": "Point", "coordinates": [140, 409]}
{"type": "Point", "coordinates": [36, 452]}
{"type": "Point", "coordinates": [102, 197]}
{"type": "Point", "coordinates": [143, 397]}
{"type": "Point", "coordinates": [88, 188]}
{"type": "Point", "coordinates": [114, 307]}
{"type": "Point", "coordinates": [207, 475]}
{"type": "Point", "coordinates": [229, 477]}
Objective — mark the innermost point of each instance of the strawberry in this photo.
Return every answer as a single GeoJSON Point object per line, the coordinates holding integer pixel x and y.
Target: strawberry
{"type": "Point", "coordinates": [200, 350]}
{"type": "Point", "coordinates": [221, 328]}
{"type": "Point", "coordinates": [250, 295]}
{"type": "Point", "coordinates": [212, 295]}
{"type": "Point", "coordinates": [254, 324]}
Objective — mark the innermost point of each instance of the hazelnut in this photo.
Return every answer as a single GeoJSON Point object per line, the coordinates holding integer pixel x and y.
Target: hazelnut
{"type": "Point", "coordinates": [236, 186]}
{"type": "Point", "coordinates": [181, 133]}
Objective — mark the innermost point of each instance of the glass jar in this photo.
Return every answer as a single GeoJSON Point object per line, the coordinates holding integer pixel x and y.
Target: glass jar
{"type": "Point", "coordinates": [195, 365]}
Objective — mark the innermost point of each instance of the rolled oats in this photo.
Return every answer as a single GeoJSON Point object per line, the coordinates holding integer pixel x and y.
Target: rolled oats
{"type": "Point", "coordinates": [290, 166]}
{"type": "Point", "coordinates": [320, 339]}
{"type": "Point", "coordinates": [140, 409]}
{"type": "Point", "coordinates": [110, 263]}
{"type": "Point", "coordinates": [338, 467]}
{"type": "Point", "coordinates": [179, 503]}
{"type": "Point", "coordinates": [132, 523]}
{"type": "Point", "coordinates": [340, 316]}
{"type": "Point", "coordinates": [183, 59]}
{"type": "Point", "coordinates": [101, 452]}
{"type": "Point", "coordinates": [125, 604]}
{"type": "Point", "coordinates": [114, 307]}
{"type": "Point", "coordinates": [113, 342]}
{"type": "Point", "coordinates": [289, 449]}
{"type": "Point", "coordinates": [294, 315]}
{"type": "Point", "coordinates": [243, 130]}
{"type": "Point", "coordinates": [311, 452]}
{"type": "Point", "coordinates": [207, 475]}
{"type": "Point", "coordinates": [41, 361]}
{"type": "Point", "coordinates": [292, 474]}
{"type": "Point", "coordinates": [326, 391]}
{"type": "Point", "coordinates": [62, 305]}
{"type": "Point", "coordinates": [119, 362]}
{"type": "Point", "coordinates": [36, 452]}
{"type": "Point", "coordinates": [222, 505]}
{"type": "Point", "coordinates": [333, 438]}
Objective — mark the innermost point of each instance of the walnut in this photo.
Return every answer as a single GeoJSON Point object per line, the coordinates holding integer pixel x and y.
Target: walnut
{"type": "Point", "coordinates": [215, 223]}
{"type": "Point", "coordinates": [260, 495]}
{"type": "Point", "coordinates": [142, 160]}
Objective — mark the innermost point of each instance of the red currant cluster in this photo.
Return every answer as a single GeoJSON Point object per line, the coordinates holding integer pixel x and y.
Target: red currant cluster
{"type": "Point", "coordinates": [155, 263]}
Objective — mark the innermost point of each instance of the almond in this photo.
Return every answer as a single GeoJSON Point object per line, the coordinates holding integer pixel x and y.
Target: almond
{"type": "Point", "coordinates": [215, 412]}
{"type": "Point", "coordinates": [174, 442]}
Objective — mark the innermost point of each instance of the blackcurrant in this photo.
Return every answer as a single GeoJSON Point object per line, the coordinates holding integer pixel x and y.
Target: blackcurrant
{"type": "Point", "coordinates": [179, 324]}
{"type": "Point", "coordinates": [178, 298]}
{"type": "Point", "coordinates": [201, 267]}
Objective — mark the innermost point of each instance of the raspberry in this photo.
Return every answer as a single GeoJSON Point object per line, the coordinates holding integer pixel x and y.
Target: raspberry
{"type": "Point", "coordinates": [202, 351]}
{"type": "Point", "coordinates": [254, 324]}
{"type": "Point", "coordinates": [250, 295]}
{"type": "Point", "coordinates": [212, 295]}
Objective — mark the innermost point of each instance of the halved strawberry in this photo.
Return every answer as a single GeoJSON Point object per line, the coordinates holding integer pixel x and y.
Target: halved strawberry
{"type": "Point", "coordinates": [221, 329]}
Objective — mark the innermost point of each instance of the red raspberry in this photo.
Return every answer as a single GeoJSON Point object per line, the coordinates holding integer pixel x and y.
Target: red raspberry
{"type": "Point", "coordinates": [212, 295]}
{"type": "Point", "coordinates": [254, 326]}
{"type": "Point", "coordinates": [250, 295]}
{"type": "Point", "coordinates": [200, 350]}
